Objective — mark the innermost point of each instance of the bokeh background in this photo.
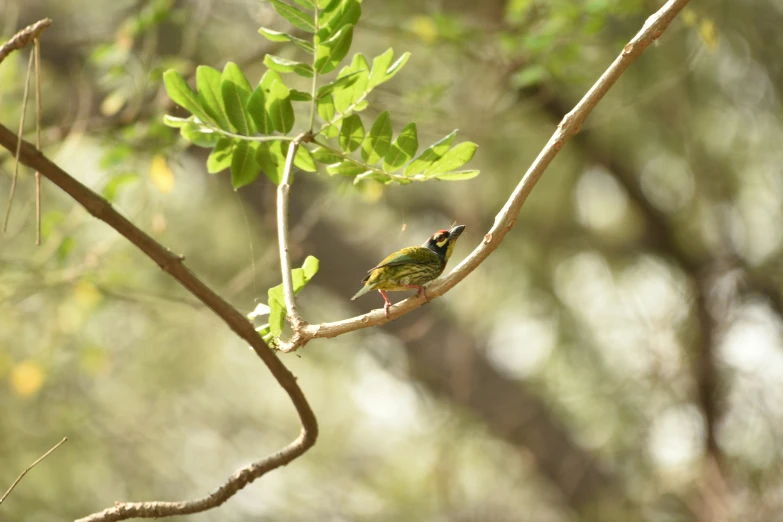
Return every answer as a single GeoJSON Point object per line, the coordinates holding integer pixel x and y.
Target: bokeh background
{"type": "Point", "coordinates": [618, 358]}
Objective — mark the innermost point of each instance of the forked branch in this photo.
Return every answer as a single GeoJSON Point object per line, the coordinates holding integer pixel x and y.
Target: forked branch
{"type": "Point", "coordinates": [571, 123]}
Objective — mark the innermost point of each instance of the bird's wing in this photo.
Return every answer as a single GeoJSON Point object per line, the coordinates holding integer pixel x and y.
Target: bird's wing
{"type": "Point", "coordinates": [410, 255]}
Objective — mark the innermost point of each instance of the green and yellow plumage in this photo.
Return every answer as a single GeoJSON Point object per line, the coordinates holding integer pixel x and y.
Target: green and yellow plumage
{"type": "Point", "coordinates": [412, 267]}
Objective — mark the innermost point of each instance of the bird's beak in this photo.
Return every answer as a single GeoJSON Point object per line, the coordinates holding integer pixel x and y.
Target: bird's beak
{"type": "Point", "coordinates": [455, 232]}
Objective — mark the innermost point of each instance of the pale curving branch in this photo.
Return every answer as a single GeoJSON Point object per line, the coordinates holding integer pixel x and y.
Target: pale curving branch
{"type": "Point", "coordinates": [505, 220]}
{"type": "Point", "coordinates": [31, 466]}
{"type": "Point", "coordinates": [282, 236]}
{"type": "Point", "coordinates": [174, 265]}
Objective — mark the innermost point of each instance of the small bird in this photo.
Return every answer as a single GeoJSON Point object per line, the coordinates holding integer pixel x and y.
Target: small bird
{"type": "Point", "coordinates": [412, 267]}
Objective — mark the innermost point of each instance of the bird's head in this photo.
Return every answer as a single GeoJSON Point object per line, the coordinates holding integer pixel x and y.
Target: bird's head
{"type": "Point", "coordinates": [442, 242]}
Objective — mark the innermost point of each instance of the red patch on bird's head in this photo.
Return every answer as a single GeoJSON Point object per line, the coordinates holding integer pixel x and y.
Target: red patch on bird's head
{"type": "Point", "coordinates": [440, 237]}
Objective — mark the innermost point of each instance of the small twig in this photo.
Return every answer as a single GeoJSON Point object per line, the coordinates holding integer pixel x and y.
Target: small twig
{"type": "Point", "coordinates": [24, 37]}
{"type": "Point", "coordinates": [653, 27]}
{"type": "Point", "coordinates": [31, 466]}
{"type": "Point", "coordinates": [19, 143]}
{"type": "Point", "coordinates": [37, 139]}
{"type": "Point", "coordinates": [282, 236]}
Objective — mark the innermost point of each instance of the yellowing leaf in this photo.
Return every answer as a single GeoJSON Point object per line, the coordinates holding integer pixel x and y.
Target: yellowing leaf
{"type": "Point", "coordinates": [709, 34]}
{"type": "Point", "coordinates": [27, 377]}
{"type": "Point", "coordinates": [161, 174]}
{"type": "Point", "coordinates": [424, 27]}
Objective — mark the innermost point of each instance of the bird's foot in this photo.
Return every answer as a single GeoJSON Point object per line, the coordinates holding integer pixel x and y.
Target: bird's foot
{"type": "Point", "coordinates": [387, 304]}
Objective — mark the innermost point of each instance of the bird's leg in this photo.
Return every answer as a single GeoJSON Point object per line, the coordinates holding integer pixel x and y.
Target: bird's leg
{"type": "Point", "coordinates": [420, 290]}
{"type": "Point", "coordinates": [387, 305]}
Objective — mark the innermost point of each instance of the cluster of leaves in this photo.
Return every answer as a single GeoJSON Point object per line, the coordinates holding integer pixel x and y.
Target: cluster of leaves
{"type": "Point", "coordinates": [250, 129]}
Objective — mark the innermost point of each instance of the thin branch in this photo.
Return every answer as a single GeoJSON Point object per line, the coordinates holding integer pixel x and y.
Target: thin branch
{"type": "Point", "coordinates": [21, 131]}
{"type": "Point", "coordinates": [571, 123]}
{"type": "Point", "coordinates": [37, 51]}
{"type": "Point", "coordinates": [31, 466]}
{"type": "Point", "coordinates": [282, 236]}
{"type": "Point", "coordinates": [24, 37]}
{"type": "Point", "coordinates": [173, 264]}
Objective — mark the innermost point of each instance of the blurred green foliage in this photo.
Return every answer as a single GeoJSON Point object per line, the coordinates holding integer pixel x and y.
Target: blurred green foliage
{"type": "Point", "coordinates": [624, 339]}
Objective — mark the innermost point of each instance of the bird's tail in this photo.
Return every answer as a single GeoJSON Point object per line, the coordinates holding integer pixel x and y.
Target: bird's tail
{"type": "Point", "coordinates": [362, 291]}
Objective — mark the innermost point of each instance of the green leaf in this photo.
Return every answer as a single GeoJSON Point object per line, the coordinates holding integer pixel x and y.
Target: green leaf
{"type": "Point", "coordinates": [376, 176]}
{"type": "Point", "coordinates": [351, 133]}
{"type": "Point", "coordinates": [277, 36]}
{"type": "Point", "coordinates": [458, 175]}
{"type": "Point", "coordinates": [259, 311]}
{"type": "Point", "coordinates": [274, 36]}
{"type": "Point", "coordinates": [210, 96]}
{"type": "Point", "coordinates": [330, 53]}
{"type": "Point", "coordinates": [342, 82]}
{"type": "Point", "coordinates": [341, 14]}
{"type": "Point", "coordinates": [277, 311]}
{"type": "Point", "coordinates": [180, 93]}
{"type": "Point", "coordinates": [326, 157]}
{"type": "Point", "coordinates": [278, 102]}
{"type": "Point", "coordinates": [236, 91]}
{"type": "Point", "coordinates": [199, 135]}
{"type": "Point", "coordinates": [256, 108]}
{"type": "Point", "coordinates": [397, 66]}
{"type": "Point", "coordinates": [310, 267]}
{"type": "Point", "coordinates": [378, 140]}
{"type": "Point", "coordinates": [343, 98]}
{"type": "Point", "coordinates": [453, 159]}
{"type": "Point", "coordinates": [382, 68]}
{"type": "Point", "coordinates": [271, 157]}
{"type": "Point", "coordinates": [244, 168]}
{"type": "Point", "coordinates": [325, 107]}
{"type": "Point", "coordinates": [284, 65]}
{"type": "Point", "coordinates": [299, 96]}
{"type": "Point", "coordinates": [346, 168]}
{"type": "Point", "coordinates": [304, 160]}
{"type": "Point", "coordinates": [403, 149]}
{"type": "Point", "coordinates": [295, 16]}
{"type": "Point", "coordinates": [430, 155]}
{"type": "Point", "coordinates": [173, 121]}
{"type": "Point", "coordinates": [220, 158]}
{"type": "Point", "coordinates": [307, 4]}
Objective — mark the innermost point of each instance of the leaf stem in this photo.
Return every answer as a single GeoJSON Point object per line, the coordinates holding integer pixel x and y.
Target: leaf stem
{"type": "Point", "coordinates": [246, 138]}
